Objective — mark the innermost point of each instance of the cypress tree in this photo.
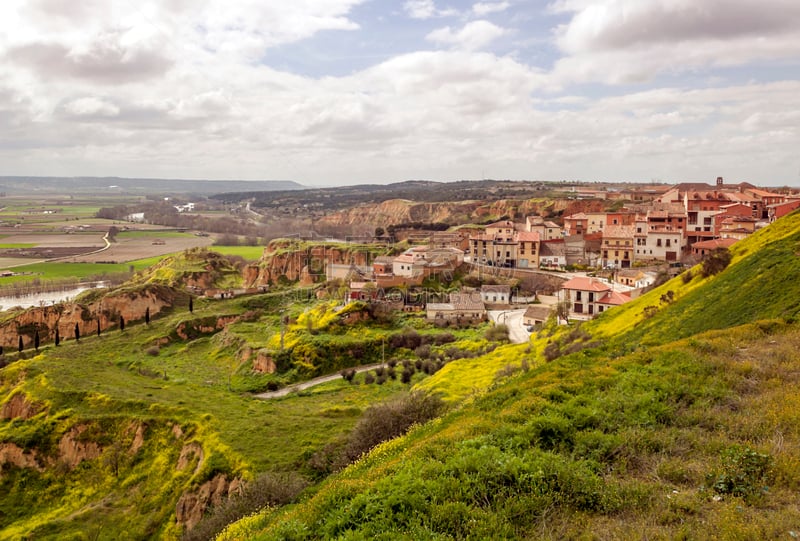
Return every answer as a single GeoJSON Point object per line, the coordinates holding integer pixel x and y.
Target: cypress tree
{"type": "Point", "coordinates": [58, 338]}
{"type": "Point", "coordinates": [191, 305]}
{"type": "Point", "coordinates": [98, 326]}
{"type": "Point", "coordinates": [36, 340]}
{"type": "Point", "coordinates": [147, 316]}
{"type": "Point", "coordinates": [20, 343]}
{"type": "Point", "coordinates": [121, 323]}
{"type": "Point", "coordinates": [1, 351]}
{"type": "Point", "coordinates": [77, 332]}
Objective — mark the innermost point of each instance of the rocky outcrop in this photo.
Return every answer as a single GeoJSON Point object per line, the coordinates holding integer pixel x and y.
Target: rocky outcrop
{"type": "Point", "coordinates": [399, 211]}
{"type": "Point", "coordinates": [295, 260]}
{"type": "Point", "coordinates": [19, 407]}
{"type": "Point", "coordinates": [11, 453]}
{"type": "Point", "coordinates": [73, 449]}
{"type": "Point", "coordinates": [190, 453]}
{"type": "Point", "coordinates": [130, 304]}
{"type": "Point", "coordinates": [208, 325]}
{"type": "Point", "coordinates": [264, 363]}
{"type": "Point", "coordinates": [192, 505]}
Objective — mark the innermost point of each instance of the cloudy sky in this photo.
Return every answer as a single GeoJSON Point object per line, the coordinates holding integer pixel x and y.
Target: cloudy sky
{"type": "Point", "coordinates": [329, 92]}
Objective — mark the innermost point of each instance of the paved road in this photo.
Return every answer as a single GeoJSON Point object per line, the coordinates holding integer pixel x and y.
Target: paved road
{"type": "Point", "coordinates": [513, 319]}
{"type": "Point", "coordinates": [313, 382]}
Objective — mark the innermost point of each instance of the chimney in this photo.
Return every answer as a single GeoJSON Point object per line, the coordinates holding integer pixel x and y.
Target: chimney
{"type": "Point", "coordinates": [719, 181]}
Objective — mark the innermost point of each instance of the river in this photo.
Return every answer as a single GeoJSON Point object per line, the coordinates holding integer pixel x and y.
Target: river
{"type": "Point", "coordinates": [45, 299]}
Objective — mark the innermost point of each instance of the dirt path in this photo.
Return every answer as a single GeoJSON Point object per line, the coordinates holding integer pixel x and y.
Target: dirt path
{"type": "Point", "coordinates": [313, 382]}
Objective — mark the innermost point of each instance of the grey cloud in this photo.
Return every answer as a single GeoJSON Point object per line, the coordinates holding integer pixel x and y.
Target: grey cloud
{"type": "Point", "coordinates": [619, 24]}
{"type": "Point", "coordinates": [105, 61]}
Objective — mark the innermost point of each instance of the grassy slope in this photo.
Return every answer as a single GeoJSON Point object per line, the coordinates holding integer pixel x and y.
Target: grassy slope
{"type": "Point", "coordinates": [602, 441]}
{"type": "Point", "coordinates": [111, 383]}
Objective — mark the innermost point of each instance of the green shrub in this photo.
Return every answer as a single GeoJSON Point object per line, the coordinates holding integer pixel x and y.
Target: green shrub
{"type": "Point", "coordinates": [745, 473]}
{"type": "Point", "coordinates": [716, 262]}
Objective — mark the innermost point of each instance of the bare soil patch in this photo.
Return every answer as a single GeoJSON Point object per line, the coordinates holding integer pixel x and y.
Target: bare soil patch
{"type": "Point", "coordinates": [131, 249]}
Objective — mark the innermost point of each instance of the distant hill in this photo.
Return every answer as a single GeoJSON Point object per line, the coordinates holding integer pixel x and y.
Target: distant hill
{"type": "Point", "coordinates": [20, 185]}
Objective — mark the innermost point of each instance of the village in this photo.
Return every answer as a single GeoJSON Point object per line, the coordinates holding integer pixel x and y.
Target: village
{"type": "Point", "coordinates": [603, 259]}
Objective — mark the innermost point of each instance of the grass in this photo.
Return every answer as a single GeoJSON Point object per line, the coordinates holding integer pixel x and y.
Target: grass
{"type": "Point", "coordinates": [110, 383]}
{"type": "Point", "coordinates": [250, 253]}
{"type": "Point", "coordinates": [617, 447]}
{"type": "Point", "coordinates": [11, 245]}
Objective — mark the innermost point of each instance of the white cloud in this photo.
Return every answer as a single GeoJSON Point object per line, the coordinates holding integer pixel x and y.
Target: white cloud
{"type": "Point", "coordinates": [91, 107]}
{"type": "Point", "coordinates": [484, 8]}
{"type": "Point", "coordinates": [473, 36]}
{"type": "Point", "coordinates": [621, 41]}
{"type": "Point", "coordinates": [426, 9]}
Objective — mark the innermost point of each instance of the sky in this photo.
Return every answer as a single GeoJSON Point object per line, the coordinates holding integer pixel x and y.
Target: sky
{"type": "Point", "coordinates": [339, 92]}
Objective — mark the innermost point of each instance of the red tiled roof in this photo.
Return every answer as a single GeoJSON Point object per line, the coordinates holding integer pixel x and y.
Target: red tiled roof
{"type": "Point", "coordinates": [528, 236]}
{"type": "Point", "coordinates": [713, 243]}
{"type": "Point", "coordinates": [614, 299]}
{"type": "Point", "coordinates": [586, 284]}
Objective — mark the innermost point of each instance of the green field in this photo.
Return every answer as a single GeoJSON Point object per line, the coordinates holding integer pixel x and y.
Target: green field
{"type": "Point", "coordinates": [80, 271]}
{"type": "Point", "coordinates": [11, 245]}
{"type": "Point", "coordinates": [250, 253]}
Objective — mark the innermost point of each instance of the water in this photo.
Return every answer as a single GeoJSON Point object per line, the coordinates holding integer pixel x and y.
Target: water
{"type": "Point", "coordinates": [46, 299]}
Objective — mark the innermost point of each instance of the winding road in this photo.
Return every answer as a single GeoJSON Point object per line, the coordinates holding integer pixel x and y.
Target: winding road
{"type": "Point", "coordinates": [313, 382]}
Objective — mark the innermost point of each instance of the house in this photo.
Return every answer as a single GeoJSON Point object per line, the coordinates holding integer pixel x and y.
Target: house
{"type": "Point", "coordinates": [462, 307]}
{"type": "Point", "coordinates": [535, 315]}
{"type": "Point", "coordinates": [363, 291]}
{"type": "Point", "coordinates": [590, 296]}
{"type": "Point", "coordinates": [707, 246]}
{"type": "Point", "coordinates": [635, 278]}
{"type": "Point", "coordinates": [496, 294]}
{"type": "Point", "coordinates": [552, 254]}
{"type": "Point", "coordinates": [780, 210]}
{"type": "Point", "coordinates": [610, 300]}
{"type": "Point", "coordinates": [547, 230]}
{"type": "Point", "coordinates": [737, 227]}
{"type": "Point", "coordinates": [595, 222]}
{"type": "Point", "coordinates": [503, 246]}
{"type": "Point", "coordinates": [576, 224]}
{"type": "Point", "coordinates": [527, 249]}
{"type": "Point", "coordinates": [617, 247]}
{"type": "Point", "coordinates": [583, 250]}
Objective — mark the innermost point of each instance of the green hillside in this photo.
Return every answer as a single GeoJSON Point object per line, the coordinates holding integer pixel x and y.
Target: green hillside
{"type": "Point", "coordinates": [673, 416]}
{"type": "Point", "coordinates": [676, 421]}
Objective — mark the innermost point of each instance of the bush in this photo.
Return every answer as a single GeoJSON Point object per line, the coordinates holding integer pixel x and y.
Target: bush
{"type": "Point", "coordinates": [386, 421]}
{"type": "Point", "coordinates": [745, 473]}
{"type": "Point", "coordinates": [153, 350]}
{"type": "Point", "coordinates": [269, 489]}
{"type": "Point", "coordinates": [497, 333]}
{"type": "Point", "coordinates": [715, 262]}
{"type": "Point", "coordinates": [423, 352]}
{"type": "Point", "coordinates": [369, 378]}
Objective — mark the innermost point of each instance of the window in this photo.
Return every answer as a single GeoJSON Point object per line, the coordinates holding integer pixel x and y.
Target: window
{"type": "Point", "coordinates": [668, 243]}
{"type": "Point", "coordinates": [591, 296]}
{"type": "Point", "coordinates": [658, 243]}
{"type": "Point", "coordinates": [578, 295]}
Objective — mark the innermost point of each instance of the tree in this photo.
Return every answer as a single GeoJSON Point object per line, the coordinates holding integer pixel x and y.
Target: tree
{"type": "Point", "coordinates": [20, 343]}
{"type": "Point", "coordinates": [36, 340]}
{"type": "Point", "coordinates": [77, 332]}
{"type": "Point", "coordinates": [379, 231]}
{"type": "Point", "coordinates": [147, 316]}
{"type": "Point", "coordinates": [121, 323]}
{"type": "Point", "coordinates": [98, 326]}
{"type": "Point", "coordinates": [58, 338]}
{"type": "Point", "coordinates": [191, 305]}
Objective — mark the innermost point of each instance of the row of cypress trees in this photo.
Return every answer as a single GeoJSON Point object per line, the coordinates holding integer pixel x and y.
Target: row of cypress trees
{"type": "Point", "coordinates": [77, 332]}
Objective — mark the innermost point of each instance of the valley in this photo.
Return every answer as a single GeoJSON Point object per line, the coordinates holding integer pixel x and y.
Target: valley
{"type": "Point", "coordinates": [467, 395]}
